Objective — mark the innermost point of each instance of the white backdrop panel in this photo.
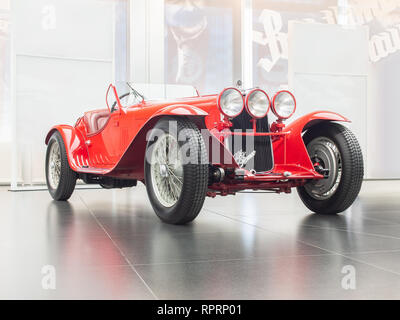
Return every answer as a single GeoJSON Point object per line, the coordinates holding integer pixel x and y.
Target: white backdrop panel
{"type": "Point", "coordinates": [342, 94]}
{"type": "Point", "coordinates": [64, 28]}
{"type": "Point", "coordinates": [64, 61]}
{"type": "Point", "coordinates": [53, 91]}
{"type": "Point", "coordinates": [328, 70]}
{"type": "Point", "coordinates": [328, 48]}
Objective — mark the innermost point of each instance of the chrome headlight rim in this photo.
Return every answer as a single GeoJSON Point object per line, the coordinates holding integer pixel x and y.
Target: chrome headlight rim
{"type": "Point", "coordinates": [274, 107]}
{"type": "Point", "coordinates": [248, 96]}
{"type": "Point", "coordinates": [219, 103]}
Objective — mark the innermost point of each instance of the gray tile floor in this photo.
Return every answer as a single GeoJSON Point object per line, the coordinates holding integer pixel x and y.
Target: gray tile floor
{"type": "Point", "coordinates": [109, 244]}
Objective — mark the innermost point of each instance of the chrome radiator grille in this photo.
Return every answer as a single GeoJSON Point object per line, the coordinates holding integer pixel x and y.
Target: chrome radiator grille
{"type": "Point", "coordinates": [263, 159]}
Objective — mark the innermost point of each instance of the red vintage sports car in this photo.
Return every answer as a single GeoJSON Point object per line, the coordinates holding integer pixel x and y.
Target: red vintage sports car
{"type": "Point", "coordinates": [186, 149]}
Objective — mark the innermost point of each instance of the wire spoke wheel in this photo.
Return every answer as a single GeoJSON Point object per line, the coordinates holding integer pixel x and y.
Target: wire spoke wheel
{"type": "Point", "coordinates": [325, 156]}
{"type": "Point", "coordinates": [54, 165]}
{"type": "Point", "coordinates": [60, 178]}
{"type": "Point", "coordinates": [176, 170]}
{"type": "Point", "coordinates": [167, 170]}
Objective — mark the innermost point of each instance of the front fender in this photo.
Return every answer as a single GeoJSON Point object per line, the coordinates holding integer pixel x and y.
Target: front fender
{"type": "Point", "coordinates": [294, 151]}
{"type": "Point", "coordinates": [311, 119]}
{"type": "Point", "coordinates": [134, 156]}
{"type": "Point", "coordinates": [180, 110]}
{"type": "Point", "coordinates": [74, 145]}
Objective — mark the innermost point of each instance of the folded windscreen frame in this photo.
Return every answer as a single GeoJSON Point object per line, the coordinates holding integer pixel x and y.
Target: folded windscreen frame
{"type": "Point", "coordinates": [153, 91]}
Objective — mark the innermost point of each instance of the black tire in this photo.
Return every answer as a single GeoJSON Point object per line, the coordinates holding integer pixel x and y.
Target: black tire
{"type": "Point", "coordinates": [195, 173]}
{"type": "Point", "coordinates": [67, 180]}
{"type": "Point", "coordinates": [352, 169]}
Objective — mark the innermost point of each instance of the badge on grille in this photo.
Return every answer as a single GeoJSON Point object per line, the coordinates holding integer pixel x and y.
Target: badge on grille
{"type": "Point", "coordinates": [241, 158]}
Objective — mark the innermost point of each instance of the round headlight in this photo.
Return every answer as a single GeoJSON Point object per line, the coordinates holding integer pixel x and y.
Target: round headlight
{"type": "Point", "coordinates": [230, 102]}
{"type": "Point", "coordinates": [283, 104]}
{"type": "Point", "coordinates": [257, 103]}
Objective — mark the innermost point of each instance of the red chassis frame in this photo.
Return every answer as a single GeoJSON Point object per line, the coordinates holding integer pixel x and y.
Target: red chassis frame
{"type": "Point", "coordinates": [118, 149]}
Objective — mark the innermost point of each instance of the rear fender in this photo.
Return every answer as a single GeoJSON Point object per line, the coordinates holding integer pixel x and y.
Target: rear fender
{"type": "Point", "coordinates": [74, 145]}
{"type": "Point", "coordinates": [296, 152]}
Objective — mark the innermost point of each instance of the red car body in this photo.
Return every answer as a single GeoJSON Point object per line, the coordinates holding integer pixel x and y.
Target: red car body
{"type": "Point", "coordinates": [113, 144]}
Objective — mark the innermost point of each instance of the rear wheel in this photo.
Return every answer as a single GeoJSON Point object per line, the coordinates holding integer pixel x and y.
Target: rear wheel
{"type": "Point", "coordinates": [176, 170]}
{"type": "Point", "coordinates": [60, 178]}
{"type": "Point", "coordinates": [335, 153]}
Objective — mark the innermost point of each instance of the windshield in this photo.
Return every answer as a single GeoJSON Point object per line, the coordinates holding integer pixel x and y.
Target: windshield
{"type": "Point", "coordinates": [131, 93]}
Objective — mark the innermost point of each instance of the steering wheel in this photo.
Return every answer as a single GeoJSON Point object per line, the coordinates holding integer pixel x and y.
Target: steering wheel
{"type": "Point", "coordinates": [120, 97]}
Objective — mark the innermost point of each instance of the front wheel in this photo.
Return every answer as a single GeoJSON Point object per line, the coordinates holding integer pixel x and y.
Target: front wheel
{"type": "Point", "coordinates": [335, 153]}
{"type": "Point", "coordinates": [176, 170]}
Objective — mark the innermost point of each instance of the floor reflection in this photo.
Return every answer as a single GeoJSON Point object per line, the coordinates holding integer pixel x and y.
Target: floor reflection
{"type": "Point", "coordinates": [112, 245]}
{"type": "Point", "coordinates": [77, 239]}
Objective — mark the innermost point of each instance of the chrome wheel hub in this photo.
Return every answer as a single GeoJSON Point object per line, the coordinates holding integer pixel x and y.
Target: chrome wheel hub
{"type": "Point", "coordinates": [163, 171]}
{"type": "Point", "coordinates": [327, 160]}
{"type": "Point", "coordinates": [166, 170]}
{"type": "Point", "coordinates": [54, 170]}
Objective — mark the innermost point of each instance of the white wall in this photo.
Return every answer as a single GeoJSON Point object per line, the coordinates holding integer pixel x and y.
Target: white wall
{"type": "Point", "coordinates": [328, 70]}
{"type": "Point", "coordinates": [63, 63]}
{"type": "Point", "coordinates": [146, 41]}
{"type": "Point", "coordinates": [383, 117]}
{"type": "Point", "coordinates": [64, 58]}
{"type": "Point", "coordinates": [5, 128]}
{"type": "Point", "coordinates": [5, 163]}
